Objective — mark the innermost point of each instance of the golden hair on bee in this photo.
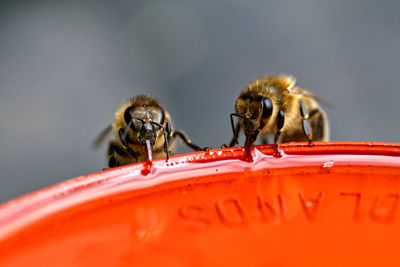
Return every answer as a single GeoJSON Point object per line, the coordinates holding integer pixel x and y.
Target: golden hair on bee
{"type": "Point", "coordinates": [274, 105]}
{"type": "Point", "coordinates": [142, 131]}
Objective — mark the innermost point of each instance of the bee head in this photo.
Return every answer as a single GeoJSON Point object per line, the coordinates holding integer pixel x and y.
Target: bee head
{"type": "Point", "coordinates": [143, 120]}
{"type": "Point", "coordinates": [254, 113]}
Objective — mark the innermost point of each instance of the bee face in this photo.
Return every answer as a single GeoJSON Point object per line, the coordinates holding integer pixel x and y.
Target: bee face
{"type": "Point", "coordinates": [272, 105]}
{"type": "Point", "coordinates": [143, 121]}
{"type": "Point", "coordinates": [142, 130]}
{"type": "Point", "coordinates": [143, 127]}
{"type": "Point", "coordinates": [256, 112]}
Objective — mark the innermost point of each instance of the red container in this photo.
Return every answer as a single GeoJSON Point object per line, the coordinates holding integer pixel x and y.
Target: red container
{"type": "Point", "coordinates": [331, 204]}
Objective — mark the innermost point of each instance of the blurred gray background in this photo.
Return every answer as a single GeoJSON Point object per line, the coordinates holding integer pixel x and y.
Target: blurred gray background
{"type": "Point", "coordinates": [66, 66]}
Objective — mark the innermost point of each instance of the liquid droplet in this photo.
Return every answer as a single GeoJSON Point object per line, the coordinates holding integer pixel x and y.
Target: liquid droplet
{"type": "Point", "coordinates": [328, 164]}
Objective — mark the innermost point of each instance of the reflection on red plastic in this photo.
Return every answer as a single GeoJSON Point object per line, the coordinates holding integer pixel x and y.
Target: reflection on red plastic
{"type": "Point", "coordinates": [330, 204]}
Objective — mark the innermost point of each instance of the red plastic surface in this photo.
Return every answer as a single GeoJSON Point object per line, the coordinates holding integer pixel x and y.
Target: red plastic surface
{"type": "Point", "coordinates": [331, 204]}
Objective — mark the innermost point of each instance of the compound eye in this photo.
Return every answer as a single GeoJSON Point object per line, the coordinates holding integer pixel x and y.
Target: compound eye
{"type": "Point", "coordinates": [128, 115]}
{"type": "Point", "coordinates": [266, 108]}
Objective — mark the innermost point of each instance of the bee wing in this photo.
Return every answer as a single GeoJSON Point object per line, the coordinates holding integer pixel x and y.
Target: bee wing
{"type": "Point", "coordinates": [301, 91]}
{"type": "Point", "coordinates": [101, 137]}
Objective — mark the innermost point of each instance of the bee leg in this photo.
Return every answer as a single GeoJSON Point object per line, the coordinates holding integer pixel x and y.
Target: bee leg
{"type": "Point", "coordinates": [319, 125]}
{"type": "Point", "coordinates": [187, 141]}
{"type": "Point", "coordinates": [306, 122]}
{"type": "Point", "coordinates": [235, 137]}
{"type": "Point", "coordinates": [124, 137]}
{"type": "Point", "coordinates": [112, 161]}
{"type": "Point", "coordinates": [280, 123]}
{"type": "Point", "coordinates": [115, 151]}
{"type": "Point", "coordinates": [167, 135]}
{"type": "Point", "coordinates": [235, 129]}
{"type": "Point", "coordinates": [166, 140]}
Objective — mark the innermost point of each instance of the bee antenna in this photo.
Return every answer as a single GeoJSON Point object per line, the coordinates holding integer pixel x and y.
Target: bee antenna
{"type": "Point", "coordinates": [126, 130]}
{"type": "Point", "coordinates": [139, 119]}
{"type": "Point", "coordinates": [165, 137]}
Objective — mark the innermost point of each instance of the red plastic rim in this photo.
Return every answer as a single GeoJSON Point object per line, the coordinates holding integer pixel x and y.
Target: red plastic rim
{"type": "Point", "coordinates": [326, 204]}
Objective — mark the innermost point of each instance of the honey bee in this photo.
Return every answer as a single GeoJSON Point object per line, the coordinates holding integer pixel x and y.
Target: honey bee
{"type": "Point", "coordinates": [142, 131]}
{"type": "Point", "coordinates": [273, 105]}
